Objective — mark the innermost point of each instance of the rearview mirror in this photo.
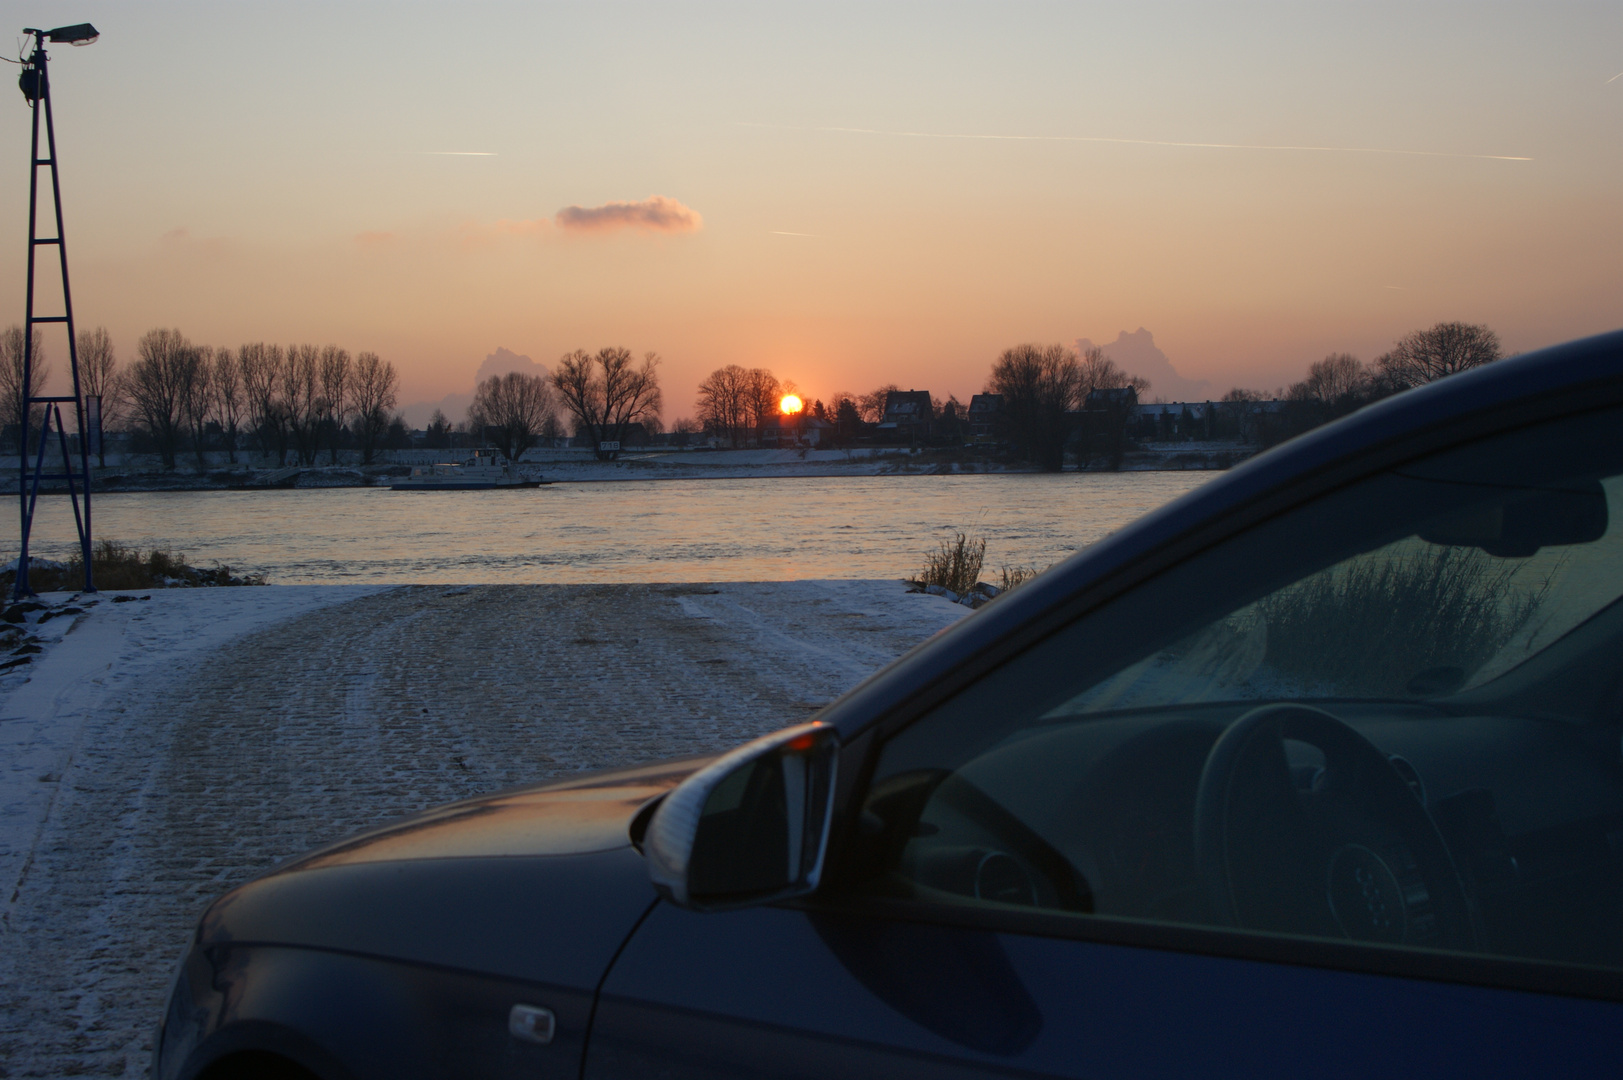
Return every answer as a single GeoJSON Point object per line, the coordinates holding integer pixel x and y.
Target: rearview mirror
{"type": "Point", "coordinates": [750, 827]}
{"type": "Point", "coordinates": [1517, 525]}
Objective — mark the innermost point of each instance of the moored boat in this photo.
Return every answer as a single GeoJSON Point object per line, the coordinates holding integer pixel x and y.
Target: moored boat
{"type": "Point", "coordinates": [477, 473]}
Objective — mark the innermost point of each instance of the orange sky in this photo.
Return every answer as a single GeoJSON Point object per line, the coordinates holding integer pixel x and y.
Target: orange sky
{"type": "Point", "coordinates": [1275, 183]}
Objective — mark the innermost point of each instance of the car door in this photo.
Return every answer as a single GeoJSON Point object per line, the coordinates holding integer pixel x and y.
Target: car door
{"type": "Point", "coordinates": [1339, 793]}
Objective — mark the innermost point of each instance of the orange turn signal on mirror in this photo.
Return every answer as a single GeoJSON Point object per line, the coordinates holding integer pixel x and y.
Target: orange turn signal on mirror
{"type": "Point", "coordinates": [804, 742]}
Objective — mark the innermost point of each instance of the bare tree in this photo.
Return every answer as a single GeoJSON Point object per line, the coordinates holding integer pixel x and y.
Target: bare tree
{"type": "Point", "coordinates": [1097, 371]}
{"type": "Point", "coordinates": [871, 406]}
{"type": "Point", "coordinates": [1336, 380]}
{"type": "Point", "coordinates": [847, 414]}
{"type": "Point", "coordinates": [607, 392]}
{"type": "Point", "coordinates": [12, 381]}
{"type": "Point", "coordinates": [721, 402]}
{"type": "Point", "coordinates": [439, 430]}
{"type": "Point", "coordinates": [1428, 355]}
{"type": "Point", "coordinates": [197, 397]}
{"type": "Point", "coordinates": [157, 388]}
{"type": "Point", "coordinates": [684, 429]}
{"type": "Point", "coordinates": [512, 409]}
{"type": "Point", "coordinates": [334, 404]}
{"type": "Point", "coordinates": [949, 417]}
{"type": "Point", "coordinates": [99, 377]}
{"type": "Point", "coordinates": [375, 390]}
{"type": "Point", "coordinates": [1107, 427]}
{"type": "Point", "coordinates": [761, 394]}
{"type": "Point", "coordinates": [229, 400]}
{"type": "Point", "coordinates": [261, 367]}
{"type": "Point", "coordinates": [301, 399]}
{"type": "Point", "coordinates": [1039, 384]}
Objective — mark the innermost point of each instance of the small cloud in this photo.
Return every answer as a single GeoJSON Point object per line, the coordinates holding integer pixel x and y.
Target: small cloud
{"type": "Point", "coordinates": [374, 239]}
{"type": "Point", "coordinates": [654, 214]}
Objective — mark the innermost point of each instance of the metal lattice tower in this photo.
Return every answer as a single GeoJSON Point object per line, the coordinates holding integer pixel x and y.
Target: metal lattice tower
{"type": "Point", "coordinates": [36, 87]}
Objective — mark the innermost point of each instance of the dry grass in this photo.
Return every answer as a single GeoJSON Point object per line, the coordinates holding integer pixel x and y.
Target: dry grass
{"type": "Point", "coordinates": [1367, 627]}
{"type": "Point", "coordinates": [956, 566]}
{"type": "Point", "coordinates": [115, 566]}
{"type": "Point", "coordinates": [1011, 577]}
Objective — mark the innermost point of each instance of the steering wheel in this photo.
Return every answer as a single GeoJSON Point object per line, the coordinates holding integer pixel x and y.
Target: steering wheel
{"type": "Point", "coordinates": [1353, 855]}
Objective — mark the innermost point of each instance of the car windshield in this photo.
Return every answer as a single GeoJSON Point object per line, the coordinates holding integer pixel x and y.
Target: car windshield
{"type": "Point", "coordinates": [1451, 602]}
{"type": "Point", "coordinates": [1411, 618]}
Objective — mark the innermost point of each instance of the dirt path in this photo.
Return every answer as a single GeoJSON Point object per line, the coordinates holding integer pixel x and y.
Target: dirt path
{"type": "Point", "coordinates": [355, 714]}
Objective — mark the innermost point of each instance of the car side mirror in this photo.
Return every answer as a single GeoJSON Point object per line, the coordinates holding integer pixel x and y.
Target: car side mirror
{"type": "Point", "coordinates": [750, 827]}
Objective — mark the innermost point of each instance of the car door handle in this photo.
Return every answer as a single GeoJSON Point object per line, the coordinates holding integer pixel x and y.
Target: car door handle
{"type": "Point", "coordinates": [531, 1023]}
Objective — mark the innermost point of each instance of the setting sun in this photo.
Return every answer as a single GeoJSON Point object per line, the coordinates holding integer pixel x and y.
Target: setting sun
{"type": "Point", "coordinates": [790, 404]}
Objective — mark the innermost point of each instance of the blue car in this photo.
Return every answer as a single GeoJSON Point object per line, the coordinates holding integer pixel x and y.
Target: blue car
{"type": "Point", "coordinates": [1317, 771]}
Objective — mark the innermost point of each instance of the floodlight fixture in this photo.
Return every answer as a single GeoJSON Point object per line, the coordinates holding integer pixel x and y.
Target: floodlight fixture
{"type": "Point", "coordinates": [77, 34]}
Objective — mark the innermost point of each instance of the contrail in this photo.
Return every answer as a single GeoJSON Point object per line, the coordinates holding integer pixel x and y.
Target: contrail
{"type": "Point", "coordinates": [780, 232]}
{"type": "Point", "coordinates": [457, 153]}
{"type": "Point", "coordinates": [1147, 142]}
{"type": "Point", "coordinates": [1613, 79]}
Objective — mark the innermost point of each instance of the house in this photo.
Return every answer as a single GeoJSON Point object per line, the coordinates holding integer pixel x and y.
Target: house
{"type": "Point", "coordinates": [1116, 399]}
{"type": "Point", "coordinates": [983, 417]}
{"type": "Point", "coordinates": [907, 416]}
{"type": "Point", "coordinates": [1167, 420]}
{"type": "Point", "coordinates": [799, 429]}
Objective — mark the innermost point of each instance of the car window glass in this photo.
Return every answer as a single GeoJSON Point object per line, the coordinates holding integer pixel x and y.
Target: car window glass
{"type": "Point", "coordinates": [1409, 619]}
{"type": "Point", "coordinates": [1388, 715]}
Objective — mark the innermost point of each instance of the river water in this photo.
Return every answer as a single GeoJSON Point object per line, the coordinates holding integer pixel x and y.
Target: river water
{"type": "Point", "coordinates": [754, 529]}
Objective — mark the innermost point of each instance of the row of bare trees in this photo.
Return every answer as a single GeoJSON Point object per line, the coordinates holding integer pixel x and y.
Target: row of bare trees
{"type": "Point", "coordinates": [1341, 383]}
{"type": "Point", "coordinates": [182, 396]}
{"type": "Point", "coordinates": [735, 402]}
{"type": "Point", "coordinates": [1040, 384]}
{"type": "Point", "coordinates": [299, 400]}
{"type": "Point", "coordinates": [12, 376]}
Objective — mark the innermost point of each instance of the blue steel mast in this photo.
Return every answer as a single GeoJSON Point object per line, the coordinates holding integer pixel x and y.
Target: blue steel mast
{"type": "Point", "coordinates": [36, 87]}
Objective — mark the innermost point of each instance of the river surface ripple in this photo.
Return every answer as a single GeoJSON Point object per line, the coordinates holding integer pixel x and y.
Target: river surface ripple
{"type": "Point", "coordinates": [755, 529]}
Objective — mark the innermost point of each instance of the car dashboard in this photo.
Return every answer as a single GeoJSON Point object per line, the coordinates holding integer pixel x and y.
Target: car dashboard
{"type": "Point", "coordinates": [1530, 811]}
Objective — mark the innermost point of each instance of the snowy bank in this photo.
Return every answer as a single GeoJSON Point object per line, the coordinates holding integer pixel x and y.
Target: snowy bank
{"type": "Point", "coordinates": [93, 648]}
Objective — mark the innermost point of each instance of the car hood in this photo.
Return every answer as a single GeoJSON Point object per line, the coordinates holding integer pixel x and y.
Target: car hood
{"type": "Point", "coordinates": [537, 883]}
{"type": "Point", "coordinates": [570, 817]}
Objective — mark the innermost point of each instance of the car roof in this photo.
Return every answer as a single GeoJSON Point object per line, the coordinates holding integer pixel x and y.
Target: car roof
{"type": "Point", "coordinates": [1516, 388]}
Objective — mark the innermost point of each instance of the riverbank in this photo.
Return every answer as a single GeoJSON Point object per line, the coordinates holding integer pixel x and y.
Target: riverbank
{"type": "Point", "coordinates": [580, 466]}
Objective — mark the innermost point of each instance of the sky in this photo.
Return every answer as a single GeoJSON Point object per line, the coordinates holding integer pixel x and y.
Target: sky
{"type": "Point", "coordinates": [849, 195]}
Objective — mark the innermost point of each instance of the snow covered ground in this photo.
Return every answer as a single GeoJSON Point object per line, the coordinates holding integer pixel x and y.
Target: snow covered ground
{"type": "Point", "coordinates": [115, 647]}
{"type": "Point", "coordinates": [157, 751]}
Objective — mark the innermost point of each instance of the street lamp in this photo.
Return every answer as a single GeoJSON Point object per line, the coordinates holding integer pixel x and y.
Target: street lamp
{"type": "Point", "coordinates": [36, 88]}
